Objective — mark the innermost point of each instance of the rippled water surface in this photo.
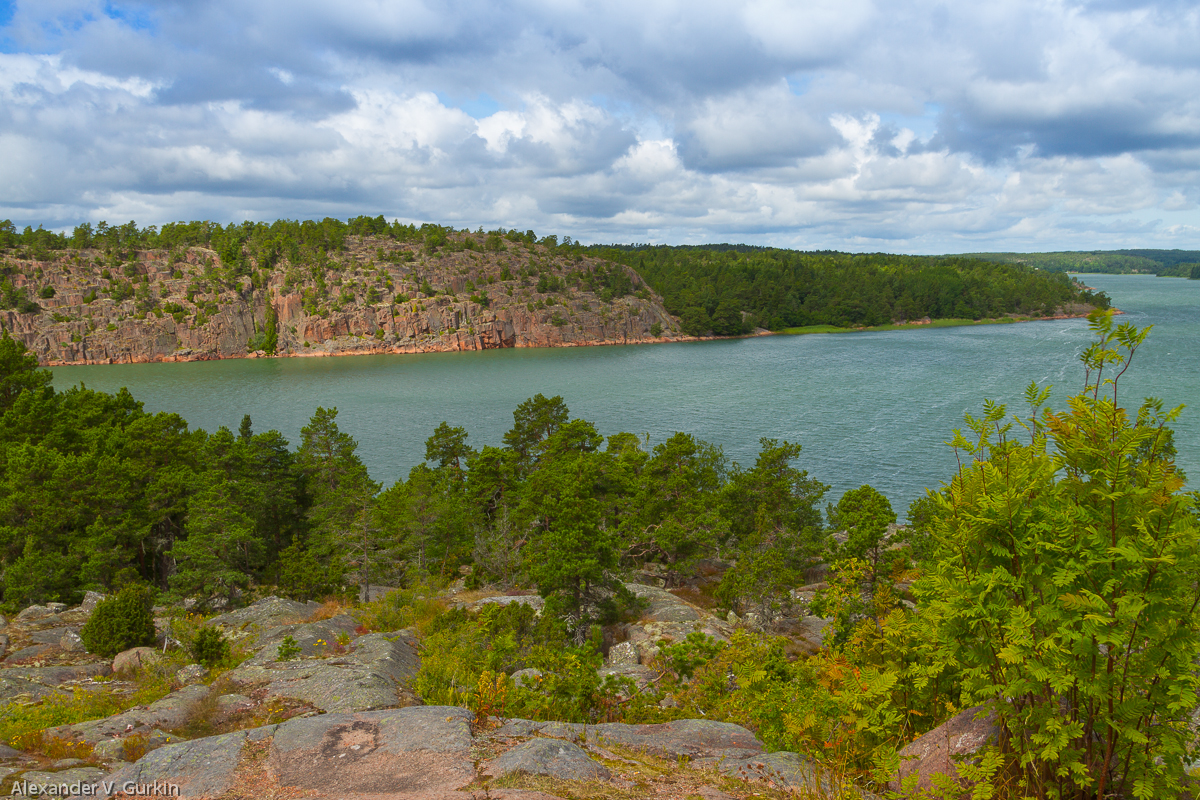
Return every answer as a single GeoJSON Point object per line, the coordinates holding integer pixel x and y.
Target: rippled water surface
{"type": "Point", "coordinates": [867, 407]}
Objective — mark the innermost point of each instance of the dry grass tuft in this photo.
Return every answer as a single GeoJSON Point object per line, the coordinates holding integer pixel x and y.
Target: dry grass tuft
{"type": "Point", "coordinates": [330, 608]}
{"type": "Point", "coordinates": [698, 597]}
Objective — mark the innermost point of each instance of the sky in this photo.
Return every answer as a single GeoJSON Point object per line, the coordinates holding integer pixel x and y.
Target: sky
{"type": "Point", "coordinates": [913, 126]}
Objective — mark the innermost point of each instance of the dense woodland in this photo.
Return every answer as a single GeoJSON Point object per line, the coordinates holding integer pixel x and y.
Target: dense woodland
{"type": "Point", "coordinates": [97, 493]}
{"type": "Point", "coordinates": [731, 289]}
{"type": "Point", "coordinates": [721, 289]}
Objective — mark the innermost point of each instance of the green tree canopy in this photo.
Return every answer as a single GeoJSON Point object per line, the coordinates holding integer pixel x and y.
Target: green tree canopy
{"type": "Point", "coordinates": [18, 371]}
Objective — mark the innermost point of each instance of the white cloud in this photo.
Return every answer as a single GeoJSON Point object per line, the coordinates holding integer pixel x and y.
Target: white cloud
{"type": "Point", "coordinates": [915, 125]}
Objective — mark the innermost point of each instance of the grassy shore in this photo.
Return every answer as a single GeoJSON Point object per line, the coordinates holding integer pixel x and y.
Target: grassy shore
{"type": "Point", "coordinates": [937, 323]}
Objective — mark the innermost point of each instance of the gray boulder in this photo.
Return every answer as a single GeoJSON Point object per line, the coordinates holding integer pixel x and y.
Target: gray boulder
{"type": "Point", "coordinates": [533, 601]}
{"type": "Point", "coordinates": [35, 652]}
{"type": "Point", "coordinates": [132, 660]}
{"type": "Point", "coordinates": [232, 703]}
{"type": "Point", "coordinates": [553, 757]}
{"type": "Point", "coordinates": [109, 750]}
{"type": "Point", "coordinates": [669, 619]}
{"type": "Point", "coordinates": [90, 601]}
{"type": "Point", "coordinates": [51, 635]}
{"type": "Point", "coordinates": [641, 676]}
{"type": "Point", "coordinates": [431, 753]}
{"type": "Point", "coordinates": [200, 768]}
{"type": "Point", "coordinates": [782, 768]}
{"type": "Point", "coordinates": [313, 638]}
{"type": "Point", "coordinates": [72, 642]}
{"type": "Point", "coordinates": [371, 676]}
{"type": "Point", "coordinates": [423, 751]}
{"type": "Point", "coordinates": [20, 689]}
{"type": "Point", "coordinates": [664, 606]}
{"type": "Point", "coordinates": [59, 674]}
{"type": "Point", "coordinates": [192, 673]}
{"type": "Point", "coordinates": [40, 614]}
{"type": "Point", "coordinates": [692, 738]}
{"type": "Point", "coordinates": [265, 615]}
{"type": "Point", "coordinates": [530, 677]}
{"type": "Point", "coordinates": [936, 752]}
{"type": "Point", "coordinates": [622, 654]}
{"type": "Point", "coordinates": [38, 783]}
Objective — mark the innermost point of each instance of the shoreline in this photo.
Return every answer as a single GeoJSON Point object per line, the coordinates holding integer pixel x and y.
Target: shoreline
{"type": "Point", "coordinates": [459, 346]}
{"type": "Point", "coordinates": [810, 330]}
{"type": "Point", "coordinates": [422, 349]}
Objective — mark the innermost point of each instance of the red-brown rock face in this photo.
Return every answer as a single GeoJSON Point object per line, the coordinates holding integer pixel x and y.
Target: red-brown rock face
{"type": "Point", "coordinates": [156, 307]}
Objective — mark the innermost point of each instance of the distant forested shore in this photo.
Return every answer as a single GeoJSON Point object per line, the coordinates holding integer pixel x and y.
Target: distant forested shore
{"type": "Point", "coordinates": [198, 289]}
{"type": "Point", "coordinates": [1163, 263]}
{"type": "Point", "coordinates": [715, 287]}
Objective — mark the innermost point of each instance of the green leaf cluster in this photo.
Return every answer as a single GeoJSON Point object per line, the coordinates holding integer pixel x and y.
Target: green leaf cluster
{"type": "Point", "coordinates": [503, 639]}
{"type": "Point", "coordinates": [1065, 583]}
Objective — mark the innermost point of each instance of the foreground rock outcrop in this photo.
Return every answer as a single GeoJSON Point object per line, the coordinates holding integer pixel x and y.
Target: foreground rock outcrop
{"type": "Point", "coordinates": [377, 295]}
{"type": "Point", "coordinates": [321, 709]}
{"type": "Point", "coordinates": [434, 752]}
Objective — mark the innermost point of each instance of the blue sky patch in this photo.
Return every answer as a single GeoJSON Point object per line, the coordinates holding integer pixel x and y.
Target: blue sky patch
{"type": "Point", "coordinates": [483, 105]}
{"type": "Point", "coordinates": [130, 16]}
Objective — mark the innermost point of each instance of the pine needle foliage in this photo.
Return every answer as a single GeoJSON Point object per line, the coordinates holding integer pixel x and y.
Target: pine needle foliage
{"type": "Point", "coordinates": [120, 622]}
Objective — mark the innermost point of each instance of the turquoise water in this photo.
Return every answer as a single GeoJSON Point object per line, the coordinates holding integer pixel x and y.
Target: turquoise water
{"type": "Point", "coordinates": [867, 407]}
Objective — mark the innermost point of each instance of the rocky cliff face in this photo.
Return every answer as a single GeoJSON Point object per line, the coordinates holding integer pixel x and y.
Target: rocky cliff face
{"type": "Point", "coordinates": [376, 296]}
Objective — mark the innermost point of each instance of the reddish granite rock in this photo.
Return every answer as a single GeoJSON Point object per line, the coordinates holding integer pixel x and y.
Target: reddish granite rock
{"type": "Point", "coordinates": [937, 751]}
{"type": "Point", "coordinates": [481, 301]}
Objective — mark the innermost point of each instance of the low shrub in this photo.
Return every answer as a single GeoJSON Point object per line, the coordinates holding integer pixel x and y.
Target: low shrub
{"type": "Point", "coordinates": [134, 747]}
{"type": "Point", "coordinates": [468, 660]}
{"type": "Point", "coordinates": [209, 647]}
{"type": "Point", "coordinates": [287, 650]}
{"type": "Point", "coordinates": [120, 622]}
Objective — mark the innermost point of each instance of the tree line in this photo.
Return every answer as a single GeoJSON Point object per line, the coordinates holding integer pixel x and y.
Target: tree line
{"type": "Point", "coordinates": [96, 493]}
{"type": "Point", "coordinates": [241, 245]}
{"type": "Point", "coordinates": [732, 289]}
{"type": "Point", "coordinates": [1163, 263]}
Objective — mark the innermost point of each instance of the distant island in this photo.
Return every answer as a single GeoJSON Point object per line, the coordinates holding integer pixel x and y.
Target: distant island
{"type": "Point", "coordinates": [199, 290]}
{"type": "Point", "coordinates": [1163, 263]}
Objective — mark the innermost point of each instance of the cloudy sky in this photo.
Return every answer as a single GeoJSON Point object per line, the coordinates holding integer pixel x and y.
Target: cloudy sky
{"type": "Point", "coordinates": [908, 125]}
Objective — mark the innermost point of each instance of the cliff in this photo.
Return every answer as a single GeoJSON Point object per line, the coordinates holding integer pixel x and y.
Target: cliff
{"type": "Point", "coordinates": [378, 295]}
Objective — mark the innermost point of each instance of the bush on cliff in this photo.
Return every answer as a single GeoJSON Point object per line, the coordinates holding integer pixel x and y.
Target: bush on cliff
{"type": "Point", "coordinates": [120, 622]}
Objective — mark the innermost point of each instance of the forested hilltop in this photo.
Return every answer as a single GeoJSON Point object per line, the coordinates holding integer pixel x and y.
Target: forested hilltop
{"type": "Point", "coordinates": [198, 290]}
{"type": "Point", "coordinates": [1163, 263]}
